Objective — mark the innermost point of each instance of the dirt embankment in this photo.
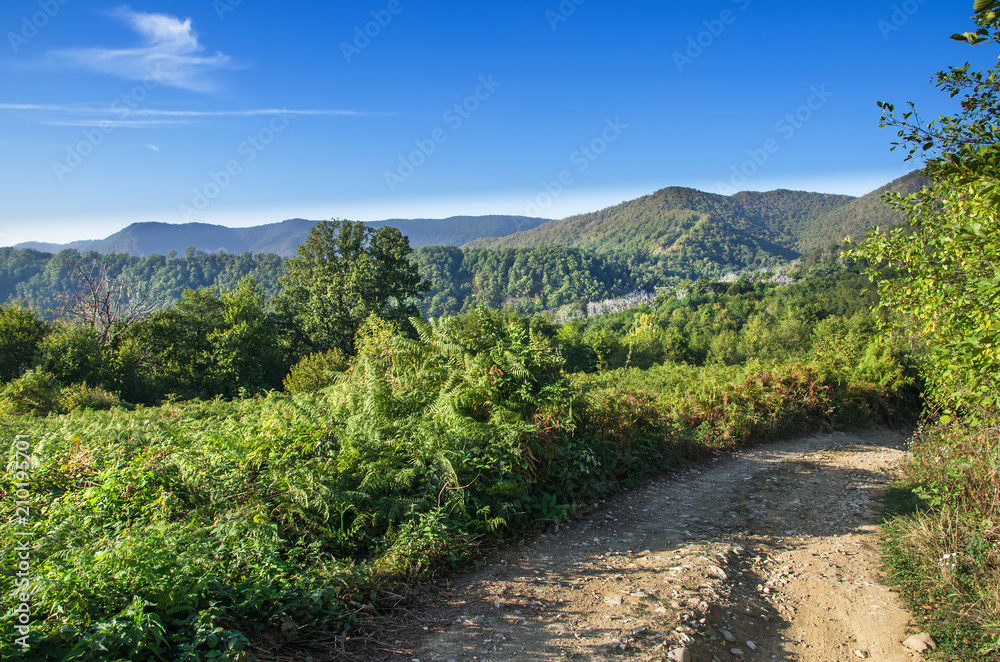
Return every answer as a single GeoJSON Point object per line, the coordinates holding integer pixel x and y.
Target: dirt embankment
{"type": "Point", "coordinates": [768, 554]}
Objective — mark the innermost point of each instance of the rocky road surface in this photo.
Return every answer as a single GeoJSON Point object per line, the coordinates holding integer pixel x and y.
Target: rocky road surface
{"type": "Point", "coordinates": [766, 554]}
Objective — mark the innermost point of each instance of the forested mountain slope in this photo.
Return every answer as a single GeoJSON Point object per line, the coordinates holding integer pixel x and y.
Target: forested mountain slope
{"type": "Point", "coordinates": [674, 217]}
{"type": "Point", "coordinates": [691, 227]}
{"type": "Point", "coordinates": [856, 217]}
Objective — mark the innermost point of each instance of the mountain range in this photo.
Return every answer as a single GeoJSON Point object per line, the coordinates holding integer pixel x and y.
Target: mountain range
{"type": "Point", "coordinates": [151, 238]}
{"type": "Point", "coordinates": [702, 227]}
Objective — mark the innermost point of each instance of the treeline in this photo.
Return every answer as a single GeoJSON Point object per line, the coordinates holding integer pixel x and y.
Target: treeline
{"type": "Point", "coordinates": [110, 345]}
{"type": "Point", "coordinates": [825, 318]}
{"type": "Point", "coordinates": [44, 282]}
{"type": "Point", "coordinates": [524, 279]}
{"type": "Point", "coordinates": [528, 280]}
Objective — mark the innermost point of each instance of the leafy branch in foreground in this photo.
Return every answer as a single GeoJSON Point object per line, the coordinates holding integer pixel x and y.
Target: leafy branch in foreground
{"type": "Point", "coordinates": [944, 270]}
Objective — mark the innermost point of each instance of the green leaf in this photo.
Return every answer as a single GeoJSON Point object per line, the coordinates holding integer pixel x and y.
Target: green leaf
{"type": "Point", "coordinates": [979, 6]}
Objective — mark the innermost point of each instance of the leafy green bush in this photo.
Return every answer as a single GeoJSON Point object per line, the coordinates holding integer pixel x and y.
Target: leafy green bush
{"type": "Point", "coordinates": [38, 392]}
{"type": "Point", "coordinates": [422, 546]}
{"type": "Point", "coordinates": [34, 392]}
{"type": "Point", "coordinates": [20, 333]}
{"type": "Point", "coordinates": [82, 396]}
{"type": "Point", "coordinates": [185, 530]}
{"type": "Point", "coordinates": [74, 354]}
{"type": "Point", "coordinates": [315, 372]}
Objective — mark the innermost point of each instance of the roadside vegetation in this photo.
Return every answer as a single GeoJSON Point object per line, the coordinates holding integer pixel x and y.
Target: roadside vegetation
{"type": "Point", "coordinates": [940, 277]}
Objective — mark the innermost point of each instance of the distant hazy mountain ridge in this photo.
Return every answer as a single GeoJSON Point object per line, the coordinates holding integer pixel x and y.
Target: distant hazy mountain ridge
{"type": "Point", "coordinates": [142, 239]}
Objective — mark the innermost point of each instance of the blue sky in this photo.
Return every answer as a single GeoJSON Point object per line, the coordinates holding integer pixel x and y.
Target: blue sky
{"type": "Point", "coordinates": [243, 112]}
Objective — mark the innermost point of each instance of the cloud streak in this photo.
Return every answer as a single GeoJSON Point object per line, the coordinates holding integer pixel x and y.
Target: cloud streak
{"type": "Point", "coordinates": [144, 118]}
{"type": "Point", "coordinates": [170, 52]}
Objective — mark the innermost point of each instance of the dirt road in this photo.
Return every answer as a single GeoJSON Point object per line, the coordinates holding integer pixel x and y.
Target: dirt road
{"type": "Point", "coordinates": [767, 554]}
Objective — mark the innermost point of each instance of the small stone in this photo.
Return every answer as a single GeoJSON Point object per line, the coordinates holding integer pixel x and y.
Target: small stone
{"type": "Point", "coordinates": [615, 600]}
{"type": "Point", "coordinates": [679, 655]}
{"type": "Point", "coordinates": [728, 636]}
{"type": "Point", "coordinates": [920, 642]}
{"type": "Point", "coordinates": [861, 654]}
{"type": "Point", "coordinates": [751, 645]}
{"type": "Point", "coordinates": [638, 630]}
{"type": "Point", "coordinates": [737, 652]}
{"type": "Point", "coordinates": [717, 572]}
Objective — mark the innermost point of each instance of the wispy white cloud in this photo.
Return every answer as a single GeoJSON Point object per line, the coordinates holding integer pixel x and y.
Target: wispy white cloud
{"type": "Point", "coordinates": [140, 118]}
{"type": "Point", "coordinates": [170, 53]}
{"type": "Point", "coordinates": [111, 123]}
{"type": "Point", "coordinates": [153, 147]}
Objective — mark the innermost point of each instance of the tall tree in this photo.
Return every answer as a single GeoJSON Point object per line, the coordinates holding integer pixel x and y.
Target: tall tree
{"type": "Point", "coordinates": [344, 272]}
{"type": "Point", "coordinates": [943, 271]}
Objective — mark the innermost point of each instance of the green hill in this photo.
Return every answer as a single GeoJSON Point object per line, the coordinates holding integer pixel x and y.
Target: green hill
{"type": "Point", "coordinates": [691, 229]}
{"type": "Point", "coordinates": [855, 218]}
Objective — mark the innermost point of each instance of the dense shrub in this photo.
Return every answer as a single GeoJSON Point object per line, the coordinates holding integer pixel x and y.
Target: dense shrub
{"type": "Point", "coordinates": [315, 372]}
{"type": "Point", "coordinates": [34, 392]}
{"type": "Point", "coordinates": [20, 333]}
{"type": "Point", "coordinates": [184, 531]}
{"type": "Point", "coordinates": [75, 353]}
{"type": "Point", "coordinates": [39, 393]}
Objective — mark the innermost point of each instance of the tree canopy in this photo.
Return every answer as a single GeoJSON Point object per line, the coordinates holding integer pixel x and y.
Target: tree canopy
{"type": "Point", "coordinates": [343, 273]}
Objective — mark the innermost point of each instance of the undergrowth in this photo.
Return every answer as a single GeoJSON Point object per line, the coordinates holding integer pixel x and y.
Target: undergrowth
{"type": "Point", "coordinates": [942, 544]}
